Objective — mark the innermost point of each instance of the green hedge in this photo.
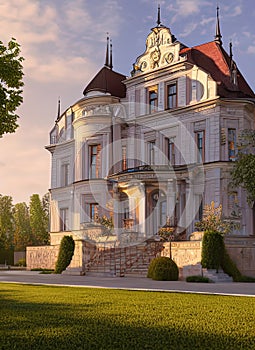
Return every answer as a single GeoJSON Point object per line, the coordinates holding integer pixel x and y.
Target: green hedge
{"type": "Point", "coordinates": [198, 279]}
{"type": "Point", "coordinates": [215, 256]}
{"type": "Point", "coordinates": [6, 256]}
{"type": "Point", "coordinates": [163, 269]}
{"type": "Point", "coordinates": [65, 254]}
{"type": "Point", "coordinates": [212, 250]}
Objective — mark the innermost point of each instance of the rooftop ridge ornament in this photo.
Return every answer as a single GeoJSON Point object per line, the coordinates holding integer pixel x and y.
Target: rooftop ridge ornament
{"type": "Point", "coordinates": [218, 35]}
{"type": "Point", "coordinates": [107, 51]}
{"type": "Point", "coordinates": [158, 20]}
{"type": "Point", "coordinates": [110, 64]}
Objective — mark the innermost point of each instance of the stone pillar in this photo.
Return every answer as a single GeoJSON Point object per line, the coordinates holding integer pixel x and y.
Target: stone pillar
{"type": "Point", "coordinates": [171, 199]}
{"type": "Point", "coordinates": [116, 207]}
{"type": "Point", "coordinates": [190, 209]}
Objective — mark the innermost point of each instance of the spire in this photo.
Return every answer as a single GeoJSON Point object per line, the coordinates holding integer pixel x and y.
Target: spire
{"type": "Point", "coordinates": [107, 52]}
{"type": "Point", "coordinates": [218, 35]}
{"type": "Point", "coordinates": [110, 65]}
{"type": "Point", "coordinates": [230, 53]}
{"type": "Point", "coordinates": [158, 21]}
{"type": "Point", "coordinates": [58, 115]}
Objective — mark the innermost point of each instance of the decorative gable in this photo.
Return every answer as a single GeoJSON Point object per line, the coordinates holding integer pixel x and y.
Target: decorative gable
{"type": "Point", "coordinates": [162, 50]}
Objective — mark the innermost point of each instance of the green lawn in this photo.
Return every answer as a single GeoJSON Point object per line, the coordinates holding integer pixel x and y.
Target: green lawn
{"type": "Point", "coordinates": [43, 317]}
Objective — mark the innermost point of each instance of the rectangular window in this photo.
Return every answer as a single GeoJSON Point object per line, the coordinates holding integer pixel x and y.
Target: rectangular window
{"type": "Point", "coordinates": [151, 152]}
{"type": "Point", "coordinates": [171, 95]}
{"type": "Point", "coordinates": [65, 175]}
{"type": "Point", "coordinates": [232, 144]}
{"type": "Point", "coordinates": [153, 98]}
{"type": "Point", "coordinates": [94, 151]}
{"type": "Point", "coordinates": [200, 141]}
{"type": "Point", "coordinates": [124, 157]}
{"type": "Point", "coordinates": [171, 150]}
{"type": "Point", "coordinates": [64, 225]}
{"type": "Point", "coordinates": [93, 212]}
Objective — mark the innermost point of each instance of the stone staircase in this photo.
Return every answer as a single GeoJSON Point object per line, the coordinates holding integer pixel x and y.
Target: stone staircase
{"type": "Point", "coordinates": [122, 261]}
{"type": "Point", "coordinates": [218, 277]}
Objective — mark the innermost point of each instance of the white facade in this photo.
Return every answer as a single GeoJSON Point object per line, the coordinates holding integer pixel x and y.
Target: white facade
{"type": "Point", "coordinates": [164, 150]}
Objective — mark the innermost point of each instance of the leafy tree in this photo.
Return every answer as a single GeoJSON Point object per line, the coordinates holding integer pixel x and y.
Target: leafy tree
{"type": "Point", "coordinates": [11, 74]}
{"type": "Point", "coordinates": [212, 220]}
{"type": "Point", "coordinates": [243, 173]}
{"type": "Point", "coordinates": [6, 222]}
{"type": "Point", "coordinates": [22, 231]}
{"type": "Point", "coordinates": [38, 221]}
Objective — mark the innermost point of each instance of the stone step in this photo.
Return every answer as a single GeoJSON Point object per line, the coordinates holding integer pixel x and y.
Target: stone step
{"type": "Point", "coordinates": [215, 276]}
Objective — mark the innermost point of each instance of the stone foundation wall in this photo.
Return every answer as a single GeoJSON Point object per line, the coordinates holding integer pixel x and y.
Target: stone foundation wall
{"type": "Point", "coordinates": [42, 257]}
{"type": "Point", "coordinates": [187, 256]}
{"type": "Point", "coordinates": [242, 251]}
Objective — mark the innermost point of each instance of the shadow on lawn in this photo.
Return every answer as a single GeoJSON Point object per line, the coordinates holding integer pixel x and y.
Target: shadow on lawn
{"type": "Point", "coordinates": [33, 325]}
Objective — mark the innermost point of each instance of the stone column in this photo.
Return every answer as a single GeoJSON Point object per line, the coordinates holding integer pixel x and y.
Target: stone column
{"type": "Point", "coordinates": [116, 207]}
{"type": "Point", "coordinates": [171, 199]}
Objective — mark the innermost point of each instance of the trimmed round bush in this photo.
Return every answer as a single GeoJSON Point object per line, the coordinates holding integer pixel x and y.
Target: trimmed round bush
{"type": "Point", "coordinates": [65, 254]}
{"type": "Point", "coordinates": [163, 269]}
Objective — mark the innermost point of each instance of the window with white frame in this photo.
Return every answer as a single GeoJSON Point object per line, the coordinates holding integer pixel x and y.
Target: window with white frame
{"type": "Point", "coordinates": [200, 142]}
{"type": "Point", "coordinates": [65, 170]}
{"type": "Point", "coordinates": [64, 222]}
{"type": "Point", "coordinates": [94, 161]}
{"type": "Point", "coordinates": [171, 150]}
{"type": "Point", "coordinates": [151, 152]}
{"type": "Point", "coordinates": [94, 212]}
{"type": "Point", "coordinates": [153, 98]}
{"type": "Point", "coordinates": [171, 95]}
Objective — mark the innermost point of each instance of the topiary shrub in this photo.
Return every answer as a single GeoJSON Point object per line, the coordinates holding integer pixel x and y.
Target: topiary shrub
{"type": "Point", "coordinates": [212, 250]}
{"type": "Point", "coordinates": [65, 254]}
{"type": "Point", "coordinates": [163, 269]}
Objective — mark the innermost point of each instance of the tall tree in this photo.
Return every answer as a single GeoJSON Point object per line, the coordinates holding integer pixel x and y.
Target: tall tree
{"type": "Point", "coordinates": [11, 74]}
{"type": "Point", "coordinates": [38, 221]}
{"type": "Point", "coordinates": [6, 222]}
{"type": "Point", "coordinates": [243, 173]}
{"type": "Point", "coordinates": [22, 229]}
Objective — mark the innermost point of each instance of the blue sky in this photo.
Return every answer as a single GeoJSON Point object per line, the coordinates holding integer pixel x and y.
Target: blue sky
{"type": "Point", "coordinates": [63, 42]}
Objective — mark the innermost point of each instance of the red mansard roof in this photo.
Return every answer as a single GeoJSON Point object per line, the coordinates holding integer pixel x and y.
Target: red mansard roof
{"type": "Point", "coordinates": [108, 81]}
{"type": "Point", "coordinates": [213, 59]}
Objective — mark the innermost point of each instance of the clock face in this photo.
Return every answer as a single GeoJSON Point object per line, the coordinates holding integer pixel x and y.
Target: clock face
{"type": "Point", "coordinates": [169, 57]}
{"type": "Point", "coordinates": [155, 56]}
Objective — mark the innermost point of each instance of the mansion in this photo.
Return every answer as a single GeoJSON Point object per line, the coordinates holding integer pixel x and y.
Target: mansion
{"type": "Point", "coordinates": [135, 152]}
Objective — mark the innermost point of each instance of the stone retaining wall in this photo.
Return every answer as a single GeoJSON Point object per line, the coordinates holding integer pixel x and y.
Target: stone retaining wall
{"type": "Point", "coordinates": [242, 252]}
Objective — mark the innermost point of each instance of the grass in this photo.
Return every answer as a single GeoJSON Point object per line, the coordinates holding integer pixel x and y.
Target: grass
{"type": "Point", "coordinates": [45, 317]}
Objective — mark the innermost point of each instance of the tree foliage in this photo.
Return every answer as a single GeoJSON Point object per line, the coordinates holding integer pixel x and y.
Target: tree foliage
{"type": "Point", "coordinates": [212, 220]}
{"type": "Point", "coordinates": [6, 222]}
{"type": "Point", "coordinates": [243, 173]}
{"type": "Point", "coordinates": [38, 221]}
{"type": "Point", "coordinates": [22, 231]}
{"type": "Point", "coordinates": [11, 74]}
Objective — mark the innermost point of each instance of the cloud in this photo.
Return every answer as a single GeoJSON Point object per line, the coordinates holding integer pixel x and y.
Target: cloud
{"type": "Point", "coordinates": [251, 49]}
{"type": "Point", "coordinates": [59, 39]}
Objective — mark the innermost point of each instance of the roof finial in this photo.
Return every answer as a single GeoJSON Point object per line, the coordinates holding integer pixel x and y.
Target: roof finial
{"type": "Point", "coordinates": [107, 52]}
{"type": "Point", "coordinates": [110, 65]}
{"type": "Point", "coordinates": [230, 52]}
{"type": "Point", "coordinates": [218, 35]}
{"type": "Point", "coordinates": [158, 21]}
{"type": "Point", "coordinates": [58, 116]}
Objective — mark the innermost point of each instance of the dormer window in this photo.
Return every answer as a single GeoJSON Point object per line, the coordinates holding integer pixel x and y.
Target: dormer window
{"type": "Point", "coordinates": [153, 98]}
